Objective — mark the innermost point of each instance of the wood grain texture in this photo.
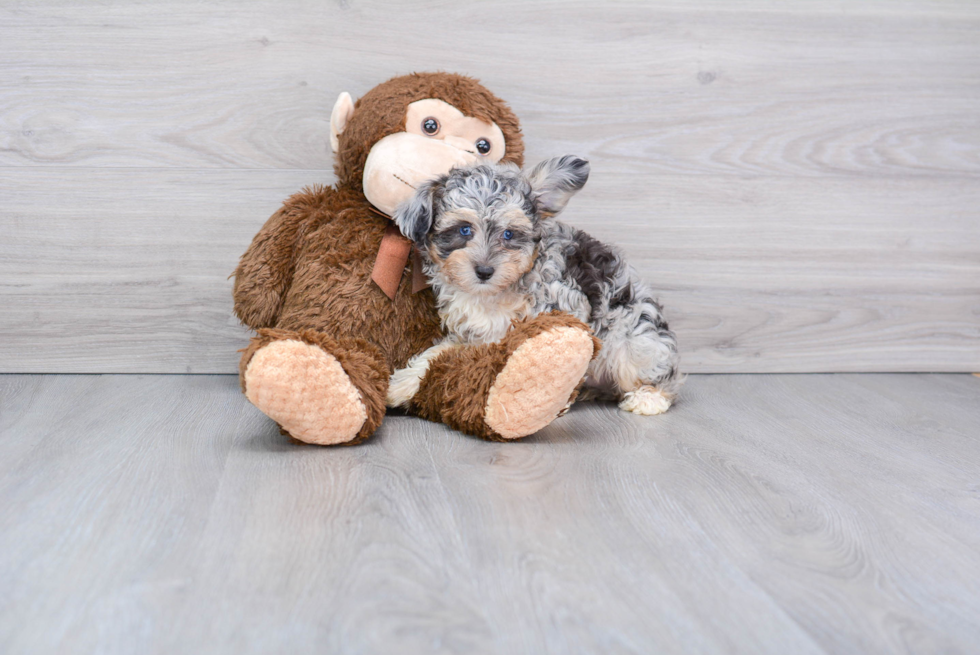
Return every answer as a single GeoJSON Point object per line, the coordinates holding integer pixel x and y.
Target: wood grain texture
{"type": "Point", "coordinates": [763, 514]}
{"type": "Point", "coordinates": [744, 88]}
{"type": "Point", "coordinates": [747, 285]}
{"type": "Point", "coordinates": [801, 183]}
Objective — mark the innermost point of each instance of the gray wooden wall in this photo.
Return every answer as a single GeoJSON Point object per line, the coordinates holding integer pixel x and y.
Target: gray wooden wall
{"type": "Point", "coordinates": [801, 181]}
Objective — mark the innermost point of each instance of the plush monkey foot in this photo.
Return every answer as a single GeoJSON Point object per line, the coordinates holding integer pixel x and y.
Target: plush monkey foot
{"type": "Point", "coordinates": [646, 401]}
{"type": "Point", "coordinates": [306, 391]}
{"type": "Point", "coordinates": [536, 383]}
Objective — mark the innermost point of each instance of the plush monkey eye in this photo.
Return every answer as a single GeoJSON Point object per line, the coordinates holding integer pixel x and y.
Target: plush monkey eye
{"type": "Point", "coordinates": [430, 126]}
{"type": "Point", "coordinates": [466, 231]}
{"type": "Point", "coordinates": [482, 146]}
{"type": "Point", "coordinates": [508, 235]}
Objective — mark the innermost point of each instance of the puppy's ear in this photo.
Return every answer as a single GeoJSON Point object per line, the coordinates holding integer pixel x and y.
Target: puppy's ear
{"type": "Point", "coordinates": [555, 181]}
{"type": "Point", "coordinates": [415, 216]}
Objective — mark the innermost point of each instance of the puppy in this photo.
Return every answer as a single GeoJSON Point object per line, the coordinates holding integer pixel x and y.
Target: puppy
{"type": "Point", "coordinates": [494, 254]}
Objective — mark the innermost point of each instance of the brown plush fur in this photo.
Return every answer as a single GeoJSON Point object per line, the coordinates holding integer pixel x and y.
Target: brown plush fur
{"type": "Point", "coordinates": [381, 112]}
{"type": "Point", "coordinates": [363, 362]}
{"type": "Point", "coordinates": [309, 268]}
{"type": "Point", "coordinates": [307, 273]}
{"type": "Point", "coordinates": [454, 391]}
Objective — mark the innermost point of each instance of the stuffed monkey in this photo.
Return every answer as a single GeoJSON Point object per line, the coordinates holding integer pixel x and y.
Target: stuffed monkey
{"type": "Point", "coordinates": [335, 299]}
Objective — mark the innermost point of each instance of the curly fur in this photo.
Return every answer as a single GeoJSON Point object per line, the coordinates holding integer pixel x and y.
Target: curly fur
{"type": "Point", "coordinates": [560, 268]}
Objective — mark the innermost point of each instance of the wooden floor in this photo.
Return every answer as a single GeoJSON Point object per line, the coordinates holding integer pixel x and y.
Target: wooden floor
{"type": "Point", "coordinates": [763, 514]}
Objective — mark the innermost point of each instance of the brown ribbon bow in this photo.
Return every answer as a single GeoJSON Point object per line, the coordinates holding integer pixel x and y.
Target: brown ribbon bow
{"type": "Point", "coordinates": [392, 260]}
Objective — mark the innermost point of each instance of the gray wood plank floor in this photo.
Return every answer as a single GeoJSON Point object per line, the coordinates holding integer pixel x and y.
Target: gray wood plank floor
{"type": "Point", "coordinates": [763, 514]}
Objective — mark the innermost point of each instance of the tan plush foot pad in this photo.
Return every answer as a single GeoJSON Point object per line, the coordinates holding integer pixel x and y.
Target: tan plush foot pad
{"type": "Point", "coordinates": [306, 391]}
{"type": "Point", "coordinates": [537, 381]}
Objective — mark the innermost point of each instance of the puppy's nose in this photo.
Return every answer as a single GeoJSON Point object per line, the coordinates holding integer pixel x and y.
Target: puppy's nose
{"type": "Point", "coordinates": [484, 272]}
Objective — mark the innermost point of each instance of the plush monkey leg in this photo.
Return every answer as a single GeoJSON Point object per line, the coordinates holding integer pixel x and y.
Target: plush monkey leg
{"type": "Point", "coordinates": [510, 389]}
{"type": "Point", "coordinates": [318, 389]}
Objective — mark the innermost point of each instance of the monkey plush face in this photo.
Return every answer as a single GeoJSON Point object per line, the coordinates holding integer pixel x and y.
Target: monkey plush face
{"type": "Point", "coordinates": [437, 137]}
{"type": "Point", "coordinates": [417, 127]}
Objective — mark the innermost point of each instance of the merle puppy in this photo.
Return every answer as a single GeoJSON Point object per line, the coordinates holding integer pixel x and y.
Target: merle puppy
{"type": "Point", "coordinates": [493, 254]}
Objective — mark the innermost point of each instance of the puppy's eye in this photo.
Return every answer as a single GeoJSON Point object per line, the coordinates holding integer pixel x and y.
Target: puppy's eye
{"type": "Point", "coordinates": [430, 126]}
{"type": "Point", "coordinates": [508, 235]}
{"type": "Point", "coordinates": [482, 146]}
{"type": "Point", "coordinates": [466, 231]}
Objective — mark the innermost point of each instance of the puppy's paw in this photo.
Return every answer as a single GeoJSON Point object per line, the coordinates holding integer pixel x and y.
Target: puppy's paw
{"type": "Point", "coordinates": [405, 382]}
{"type": "Point", "coordinates": [646, 401]}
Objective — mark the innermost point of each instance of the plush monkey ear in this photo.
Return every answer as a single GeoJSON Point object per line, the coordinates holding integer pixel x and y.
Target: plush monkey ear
{"type": "Point", "coordinates": [415, 216]}
{"type": "Point", "coordinates": [343, 109]}
{"type": "Point", "coordinates": [555, 181]}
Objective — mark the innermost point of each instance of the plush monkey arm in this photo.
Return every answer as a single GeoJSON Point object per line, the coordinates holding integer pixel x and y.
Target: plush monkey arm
{"type": "Point", "coordinates": [266, 269]}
